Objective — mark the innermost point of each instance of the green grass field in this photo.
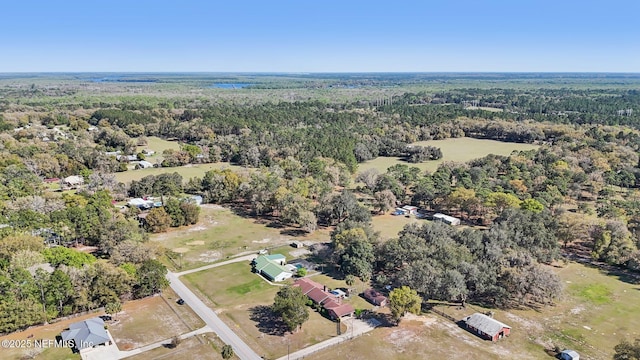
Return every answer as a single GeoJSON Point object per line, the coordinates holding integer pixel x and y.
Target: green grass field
{"type": "Point", "coordinates": [236, 292]}
{"type": "Point", "coordinates": [221, 233]}
{"type": "Point", "coordinates": [457, 150]}
{"type": "Point", "coordinates": [389, 226]}
{"type": "Point", "coordinates": [595, 313]}
{"type": "Point", "coordinates": [225, 285]}
{"type": "Point", "coordinates": [159, 146]}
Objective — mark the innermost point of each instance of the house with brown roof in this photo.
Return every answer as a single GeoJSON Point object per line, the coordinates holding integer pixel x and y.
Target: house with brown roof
{"type": "Point", "coordinates": [320, 295]}
{"type": "Point", "coordinates": [375, 297]}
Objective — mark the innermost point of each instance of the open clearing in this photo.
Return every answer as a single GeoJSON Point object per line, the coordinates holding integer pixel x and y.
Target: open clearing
{"type": "Point", "coordinates": [187, 171]}
{"type": "Point", "coordinates": [241, 298]}
{"type": "Point", "coordinates": [221, 233]}
{"type": "Point", "coordinates": [389, 225]}
{"type": "Point", "coordinates": [455, 149]}
{"type": "Point", "coordinates": [595, 313]}
{"type": "Point", "coordinates": [200, 347]}
{"type": "Point", "coordinates": [143, 322]}
{"type": "Point", "coordinates": [159, 146]}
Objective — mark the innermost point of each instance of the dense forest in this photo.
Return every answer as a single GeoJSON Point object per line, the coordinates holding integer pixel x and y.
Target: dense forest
{"type": "Point", "coordinates": [576, 194]}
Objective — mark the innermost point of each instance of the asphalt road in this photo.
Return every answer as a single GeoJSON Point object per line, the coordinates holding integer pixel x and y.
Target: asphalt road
{"type": "Point", "coordinates": [242, 350]}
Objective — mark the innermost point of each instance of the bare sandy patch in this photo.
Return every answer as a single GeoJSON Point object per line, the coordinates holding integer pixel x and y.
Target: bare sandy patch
{"type": "Point", "coordinates": [528, 324]}
{"type": "Point", "coordinates": [194, 243]}
{"type": "Point", "coordinates": [181, 250]}
{"type": "Point", "coordinates": [425, 320]}
{"type": "Point", "coordinates": [210, 256]}
{"type": "Point", "coordinates": [197, 228]}
{"type": "Point", "coordinates": [213, 207]}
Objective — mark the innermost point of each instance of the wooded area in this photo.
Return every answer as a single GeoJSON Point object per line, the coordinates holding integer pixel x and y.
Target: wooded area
{"type": "Point", "coordinates": [576, 195]}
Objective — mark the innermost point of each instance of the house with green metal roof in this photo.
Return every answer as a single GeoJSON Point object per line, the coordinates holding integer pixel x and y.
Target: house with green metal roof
{"type": "Point", "coordinates": [271, 267]}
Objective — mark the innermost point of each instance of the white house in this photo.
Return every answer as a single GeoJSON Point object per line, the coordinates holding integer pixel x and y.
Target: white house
{"type": "Point", "coordinates": [73, 180]}
{"type": "Point", "coordinates": [411, 210]}
{"type": "Point", "coordinates": [143, 165]}
{"type": "Point", "coordinates": [446, 219]}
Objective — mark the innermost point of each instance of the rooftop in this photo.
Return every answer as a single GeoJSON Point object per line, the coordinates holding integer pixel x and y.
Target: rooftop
{"type": "Point", "coordinates": [86, 333]}
{"type": "Point", "coordinates": [487, 325]}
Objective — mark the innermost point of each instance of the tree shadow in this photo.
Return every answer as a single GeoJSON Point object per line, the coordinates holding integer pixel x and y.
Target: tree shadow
{"type": "Point", "coordinates": [275, 225]}
{"type": "Point", "coordinates": [267, 321]}
{"type": "Point", "coordinates": [293, 232]}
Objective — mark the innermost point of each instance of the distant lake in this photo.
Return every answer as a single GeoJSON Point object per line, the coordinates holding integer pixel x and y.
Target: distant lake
{"type": "Point", "coordinates": [230, 86]}
{"type": "Point", "coordinates": [122, 79]}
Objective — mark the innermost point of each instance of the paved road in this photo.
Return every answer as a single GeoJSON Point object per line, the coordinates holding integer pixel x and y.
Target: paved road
{"type": "Point", "coordinates": [242, 350]}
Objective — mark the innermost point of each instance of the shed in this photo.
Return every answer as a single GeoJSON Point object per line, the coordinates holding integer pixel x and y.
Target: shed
{"type": "Point", "coordinates": [73, 180]}
{"type": "Point", "coordinates": [446, 219]}
{"type": "Point", "coordinates": [411, 210]}
{"type": "Point", "coordinates": [375, 297]}
{"type": "Point", "coordinates": [87, 334]}
{"type": "Point", "coordinates": [297, 244]}
{"type": "Point", "coordinates": [142, 164]}
{"type": "Point", "coordinates": [487, 327]}
{"type": "Point", "coordinates": [569, 355]}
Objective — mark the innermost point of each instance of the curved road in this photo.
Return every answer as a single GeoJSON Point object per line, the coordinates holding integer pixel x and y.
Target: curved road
{"type": "Point", "coordinates": [242, 350]}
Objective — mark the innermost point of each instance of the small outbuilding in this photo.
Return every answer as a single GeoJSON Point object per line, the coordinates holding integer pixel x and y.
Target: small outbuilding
{"type": "Point", "coordinates": [487, 327]}
{"type": "Point", "coordinates": [143, 165]}
{"type": "Point", "coordinates": [410, 210]}
{"type": "Point", "coordinates": [446, 219]}
{"type": "Point", "coordinates": [73, 180]}
{"type": "Point", "coordinates": [375, 297]}
{"type": "Point", "coordinates": [569, 355]}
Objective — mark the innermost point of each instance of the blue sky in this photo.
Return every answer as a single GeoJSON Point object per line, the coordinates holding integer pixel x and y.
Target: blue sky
{"type": "Point", "coordinates": [320, 36]}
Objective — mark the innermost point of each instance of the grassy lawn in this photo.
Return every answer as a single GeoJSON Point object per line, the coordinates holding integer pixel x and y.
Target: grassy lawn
{"type": "Point", "coordinates": [201, 347]}
{"type": "Point", "coordinates": [159, 146]}
{"type": "Point", "coordinates": [595, 313]}
{"type": "Point", "coordinates": [458, 150]}
{"type": "Point", "coordinates": [241, 298]}
{"type": "Point", "coordinates": [389, 225]}
{"type": "Point", "coordinates": [221, 233]}
{"type": "Point", "coordinates": [146, 321]}
{"type": "Point", "coordinates": [224, 285]}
